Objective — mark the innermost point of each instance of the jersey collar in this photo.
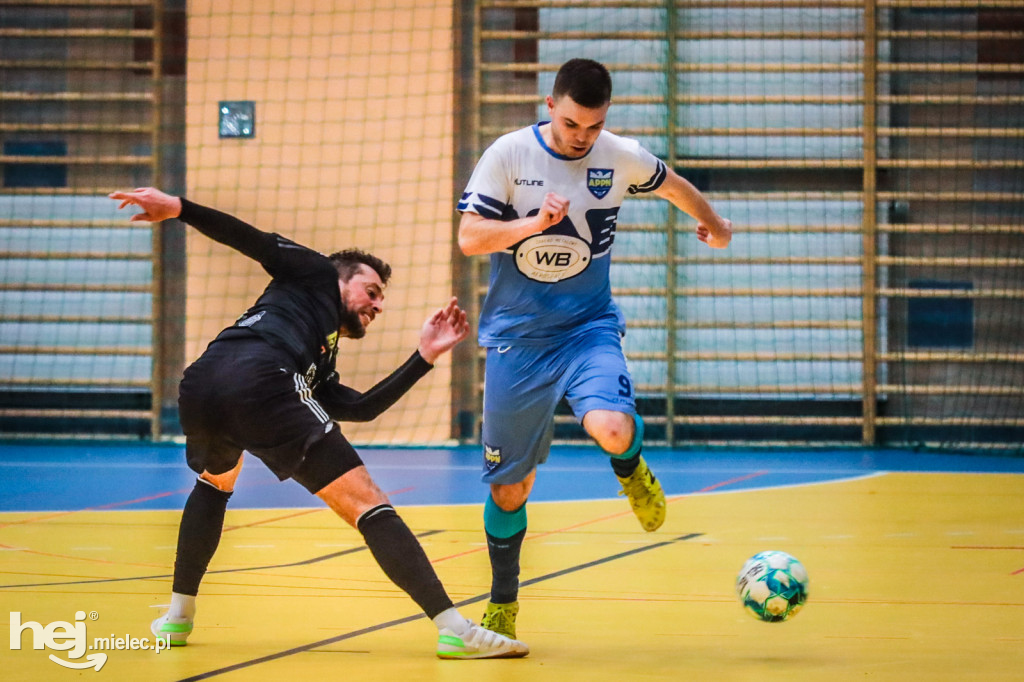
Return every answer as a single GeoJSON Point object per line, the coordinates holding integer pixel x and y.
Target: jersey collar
{"type": "Point", "coordinates": [552, 152]}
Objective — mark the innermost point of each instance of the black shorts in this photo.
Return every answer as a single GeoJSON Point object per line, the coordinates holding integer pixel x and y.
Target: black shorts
{"type": "Point", "coordinates": [245, 395]}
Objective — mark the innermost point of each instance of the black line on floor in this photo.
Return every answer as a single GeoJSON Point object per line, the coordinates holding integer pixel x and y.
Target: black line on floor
{"type": "Point", "coordinates": [418, 616]}
{"type": "Point", "coordinates": [304, 562]}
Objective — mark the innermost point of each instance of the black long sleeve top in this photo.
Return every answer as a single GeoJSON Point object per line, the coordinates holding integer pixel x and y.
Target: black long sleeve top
{"type": "Point", "coordinates": [299, 314]}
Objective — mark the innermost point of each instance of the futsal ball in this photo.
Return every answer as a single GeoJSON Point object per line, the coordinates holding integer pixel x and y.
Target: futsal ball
{"type": "Point", "coordinates": [772, 586]}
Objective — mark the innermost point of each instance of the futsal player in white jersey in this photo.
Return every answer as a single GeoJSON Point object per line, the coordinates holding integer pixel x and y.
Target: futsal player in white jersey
{"type": "Point", "coordinates": [543, 202]}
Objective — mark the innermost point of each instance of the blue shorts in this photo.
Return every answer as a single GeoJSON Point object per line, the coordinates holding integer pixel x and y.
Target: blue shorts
{"type": "Point", "coordinates": [523, 385]}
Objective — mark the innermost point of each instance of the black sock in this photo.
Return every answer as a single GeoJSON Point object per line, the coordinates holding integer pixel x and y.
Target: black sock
{"type": "Point", "coordinates": [399, 553]}
{"type": "Point", "coordinates": [198, 536]}
{"type": "Point", "coordinates": [624, 468]}
{"type": "Point", "coordinates": [505, 566]}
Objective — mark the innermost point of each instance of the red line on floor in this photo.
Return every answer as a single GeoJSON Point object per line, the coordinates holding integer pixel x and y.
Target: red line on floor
{"type": "Point", "coordinates": [304, 512]}
{"type": "Point", "coordinates": [715, 486]}
{"type": "Point", "coordinates": [608, 517]}
{"type": "Point", "coordinates": [272, 519]}
{"type": "Point", "coordinates": [111, 505]}
{"type": "Point", "coordinates": [77, 558]}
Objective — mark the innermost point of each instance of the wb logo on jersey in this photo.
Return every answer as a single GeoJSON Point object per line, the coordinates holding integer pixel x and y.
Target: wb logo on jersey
{"type": "Point", "coordinates": [599, 181]}
{"type": "Point", "coordinates": [552, 257]}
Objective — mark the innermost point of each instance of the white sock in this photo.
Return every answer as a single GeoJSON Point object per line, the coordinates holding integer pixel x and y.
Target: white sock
{"type": "Point", "coordinates": [182, 606]}
{"type": "Point", "coordinates": [453, 620]}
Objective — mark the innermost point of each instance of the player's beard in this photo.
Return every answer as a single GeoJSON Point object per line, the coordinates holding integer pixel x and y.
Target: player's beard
{"type": "Point", "coordinates": [350, 323]}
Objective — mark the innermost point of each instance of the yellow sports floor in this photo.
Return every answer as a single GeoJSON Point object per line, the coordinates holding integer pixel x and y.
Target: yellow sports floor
{"type": "Point", "coordinates": [913, 577]}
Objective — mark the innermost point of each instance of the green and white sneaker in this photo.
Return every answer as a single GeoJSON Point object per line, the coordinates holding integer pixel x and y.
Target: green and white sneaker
{"type": "Point", "coordinates": [501, 618]}
{"type": "Point", "coordinates": [478, 642]}
{"type": "Point", "coordinates": [645, 496]}
{"type": "Point", "coordinates": [174, 630]}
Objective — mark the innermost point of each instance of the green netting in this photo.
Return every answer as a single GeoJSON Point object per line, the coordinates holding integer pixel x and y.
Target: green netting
{"type": "Point", "coordinates": [824, 322]}
{"type": "Point", "coordinates": [348, 144]}
{"type": "Point", "coordinates": [352, 148]}
{"type": "Point", "coordinates": [868, 154]}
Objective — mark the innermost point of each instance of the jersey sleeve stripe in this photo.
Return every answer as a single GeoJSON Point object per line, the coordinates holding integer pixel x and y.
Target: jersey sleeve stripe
{"type": "Point", "coordinates": [487, 212]}
{"type": "Point", "coordinates": [653, 183]}
{"type": "Point", "coordinates": [490, 201]}
{"type": "Point", "coordinates": [486, 206]}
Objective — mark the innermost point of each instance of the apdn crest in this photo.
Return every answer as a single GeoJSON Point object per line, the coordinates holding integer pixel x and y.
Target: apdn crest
{"type": "Point", "coordinates": [599, 181]}
{"type": "Point", "coordinates": [492, 457]}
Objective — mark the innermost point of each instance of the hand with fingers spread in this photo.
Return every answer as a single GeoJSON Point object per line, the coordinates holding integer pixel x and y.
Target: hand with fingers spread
{"type": "Point", "coordinates": [443, 330]}
{"type": "Point", "coordinates": [155, 205]}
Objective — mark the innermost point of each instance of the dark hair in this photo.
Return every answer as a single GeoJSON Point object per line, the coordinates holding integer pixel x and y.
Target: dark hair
{"type": "Point", "coordinates": [348, 261]}
{"type": "Point", "coordinates": [587, 82]}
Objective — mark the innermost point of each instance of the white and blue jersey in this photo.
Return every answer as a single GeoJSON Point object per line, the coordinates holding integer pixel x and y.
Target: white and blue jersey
{"type": "Point", "coordinates": [551, 284]}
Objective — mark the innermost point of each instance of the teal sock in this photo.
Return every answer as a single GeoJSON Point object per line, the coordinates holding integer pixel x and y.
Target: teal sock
{"type": "Point", "coordinates": [505, 533]}
{"type": "Point", "coordinates": [625, 464]}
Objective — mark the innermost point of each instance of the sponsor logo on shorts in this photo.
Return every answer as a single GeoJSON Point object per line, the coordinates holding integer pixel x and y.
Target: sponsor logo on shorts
{"type": "Point", "coordinates": [492, 457]}
{"type": "Point", "coordinates": [599, 181]}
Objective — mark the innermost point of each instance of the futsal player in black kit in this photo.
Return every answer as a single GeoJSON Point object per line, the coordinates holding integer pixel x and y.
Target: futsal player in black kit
{"type": "Point", "coordinates": [267, 385]}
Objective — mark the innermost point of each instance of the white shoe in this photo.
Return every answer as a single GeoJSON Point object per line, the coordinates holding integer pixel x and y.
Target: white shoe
{"type": "Point", "coordinates": [478, 642]}
{"type": "Point", "coordinates": [174, 630]}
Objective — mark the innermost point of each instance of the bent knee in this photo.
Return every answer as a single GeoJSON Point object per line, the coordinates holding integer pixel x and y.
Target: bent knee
{"type": "Point", "coordinates": [613, 431]}
{"type": "Point", "coordinates": [509, 497]}
{"type": "Point", "coordinates": [224, 482]}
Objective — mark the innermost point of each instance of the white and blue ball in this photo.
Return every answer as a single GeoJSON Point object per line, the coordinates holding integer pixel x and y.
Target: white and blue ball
{"type": "Point", "coordinates": [772, 586]}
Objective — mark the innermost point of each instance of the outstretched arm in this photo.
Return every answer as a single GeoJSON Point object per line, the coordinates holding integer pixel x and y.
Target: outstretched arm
{"type": "Point", "coordinates": [346, 404]}
{"type": "Point", "coordinates": [712, 229]}
{"type": "Point", "coordinates": [279, 256]}
{"type": "Point", "coordinates": [440, 333]}
{"type": "Point", "coordinates": [155, 205]}
{"type": "Point", "coordinates": [216, 225]}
